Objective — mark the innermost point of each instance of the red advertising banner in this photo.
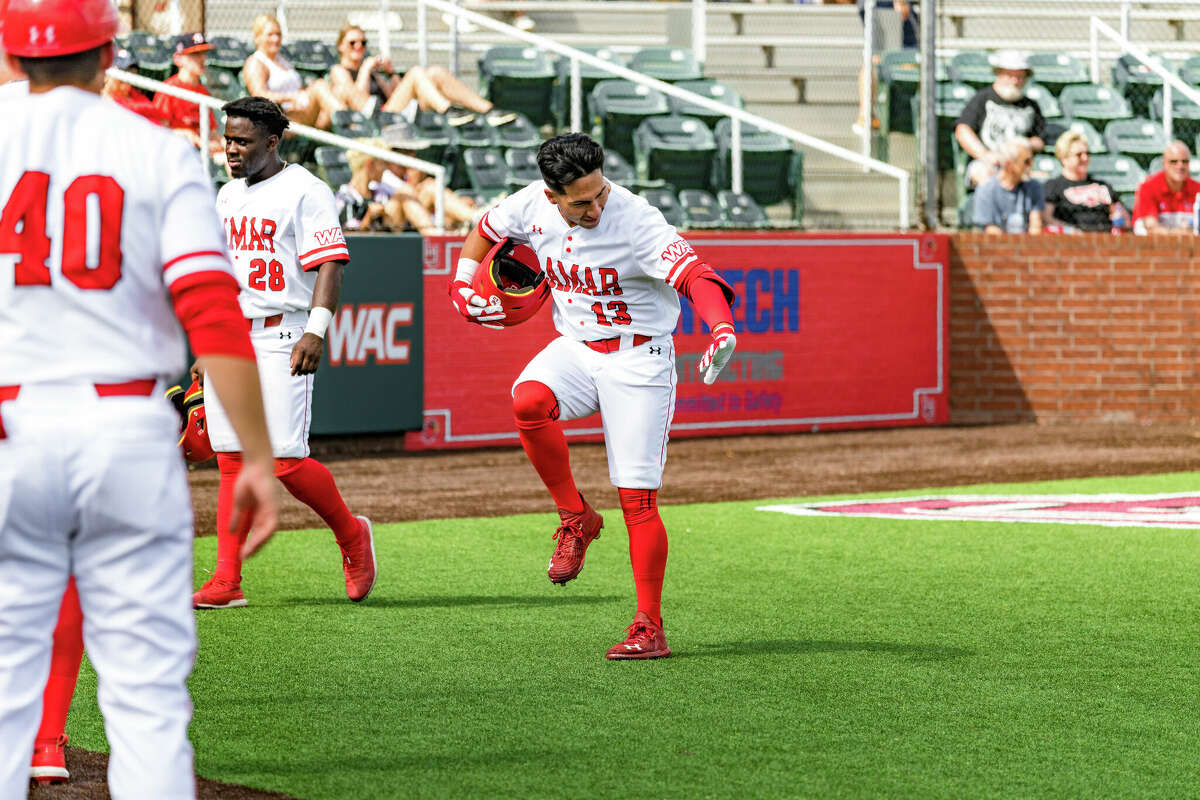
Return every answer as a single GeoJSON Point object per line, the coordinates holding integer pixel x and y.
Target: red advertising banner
{"type": "Point", "coordinates": [834, 331]}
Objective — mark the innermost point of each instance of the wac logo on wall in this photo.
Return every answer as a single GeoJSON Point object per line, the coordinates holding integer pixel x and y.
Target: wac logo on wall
{"type": "Point", "coordinates": [1113, 510]}
{"type": "Point", "coordinates": [369, 330]}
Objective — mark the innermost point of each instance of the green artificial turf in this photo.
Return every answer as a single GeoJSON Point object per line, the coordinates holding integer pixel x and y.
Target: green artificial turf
{"type": "Point", "coordinates": [813, 657]}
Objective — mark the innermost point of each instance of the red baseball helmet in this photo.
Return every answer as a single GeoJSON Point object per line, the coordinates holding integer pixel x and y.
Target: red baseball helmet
{"type": "Point", "coordinates": [511, 276]}
{"type": "Point", "coordinates": [193, 435]}
{"type": "Point", "coordinates": [47, 28]}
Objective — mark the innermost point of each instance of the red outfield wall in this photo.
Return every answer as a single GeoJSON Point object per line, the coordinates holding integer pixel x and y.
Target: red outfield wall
{"type": "Point", "coordinates": [834, 331]}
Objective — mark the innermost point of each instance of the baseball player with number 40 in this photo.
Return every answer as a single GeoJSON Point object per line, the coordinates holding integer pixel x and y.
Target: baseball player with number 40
{"type": "Point", "coordinates": [615, 269]}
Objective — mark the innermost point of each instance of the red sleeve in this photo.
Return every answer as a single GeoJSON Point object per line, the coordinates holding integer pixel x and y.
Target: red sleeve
{"type": "Point", "coordinates": [1145, 203]}
{"type": "Point", "coordinates": [207, 306]}
{"type": "Point", "coordinates": [686, 282]}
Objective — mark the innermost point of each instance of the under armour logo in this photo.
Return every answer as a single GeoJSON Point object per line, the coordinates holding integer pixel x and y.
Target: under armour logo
{"type": "Point", "coordinates": [535, 229]}
{"type": "Point", "coordinates": [285, 334]}
{"type": "Point", "coordinates": [655, 350]}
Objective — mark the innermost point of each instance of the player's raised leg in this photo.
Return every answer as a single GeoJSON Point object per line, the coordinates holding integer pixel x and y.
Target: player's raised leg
{"type": "Point", "coordinates": [49, 761]}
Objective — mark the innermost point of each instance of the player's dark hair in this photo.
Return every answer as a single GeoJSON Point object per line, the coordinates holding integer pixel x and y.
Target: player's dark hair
{"type": "Point", "coordinates": [259, 110]}
{"type": "Point", "coordinates": [567, 157]}
{"type": "Point", "coordinates": [75, 68]}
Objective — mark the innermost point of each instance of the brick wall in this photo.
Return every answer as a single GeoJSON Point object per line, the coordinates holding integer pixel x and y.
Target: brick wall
{"type": "Point", "coordinates": [1091, 328]}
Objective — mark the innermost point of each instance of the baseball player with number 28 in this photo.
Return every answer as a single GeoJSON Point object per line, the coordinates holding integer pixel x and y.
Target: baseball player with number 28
{"type": "Point", "coordinates": [105, 265]}
{"type": "Point", "coordinates": [616, 270]}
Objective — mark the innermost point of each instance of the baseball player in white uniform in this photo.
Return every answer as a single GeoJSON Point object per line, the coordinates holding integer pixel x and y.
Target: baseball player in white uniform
{"type": "Point", "coordinates": [101, 260]}
{"type": "Point", "coordinates": [616, 270]}
{"type": "Point", "coordinates": [281, 227]}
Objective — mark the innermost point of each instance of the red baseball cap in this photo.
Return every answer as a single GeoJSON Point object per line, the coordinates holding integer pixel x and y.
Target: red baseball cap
{"type": "Point", "coordinates": [191, 43]}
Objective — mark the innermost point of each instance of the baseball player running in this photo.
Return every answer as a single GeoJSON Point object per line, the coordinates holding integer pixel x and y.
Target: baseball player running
{"type": "Point", "coordinates": [616, 270]}
{"type": "Point", "coordinates": [282, 228]}
{"type": "Point", "coordinates": [104, 266]}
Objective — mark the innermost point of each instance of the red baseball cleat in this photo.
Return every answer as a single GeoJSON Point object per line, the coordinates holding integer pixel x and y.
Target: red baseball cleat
{"type": "Point", "coordinates": [219, 593]}
{"type": "Point", "coordinates": [645, 639]}
{"type": "Point", "coordinates": [49, 761]}
{"type": "Point", "coordinates": [577, 531]}
{"type": "Point", "coordinates": [358, 562]}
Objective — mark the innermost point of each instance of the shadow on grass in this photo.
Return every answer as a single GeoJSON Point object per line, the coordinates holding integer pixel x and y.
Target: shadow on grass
{"type": "Point", "coordinates": [911, 652]}
{"type": "Point", "coordinates": [451, 601]}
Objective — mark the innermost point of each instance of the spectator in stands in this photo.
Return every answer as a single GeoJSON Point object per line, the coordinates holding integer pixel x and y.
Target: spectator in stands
{"type": "Point", "coordinates": [409, 185]}
{"type": "Point", "coordinates": [268, 74]}
{"type": "Point", "coordinates": [125, 94]}
{"type": "Point", "coordinates": [1010, 201]}
{"type": "Point", "coordinates": [866, 77]}
{"type": "Point", "coordinates": [183, 116]}
{"type": "Point", "coordinates": [357, 78]}
{"type": "Point", "coordinates": [998, 113]}
{"type": "Point", "coordinates": [1165, 200]}
{"type": "Point", "coordinates": [1077, 201]}
{"type": "Point", "coordinates": [362, 204]}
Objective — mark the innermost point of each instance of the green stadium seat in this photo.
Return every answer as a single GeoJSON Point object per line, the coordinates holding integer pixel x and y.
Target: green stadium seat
{"type": "Point", "coordinates": [1057, 70]}
{"type": "Point", "coordinates": [433, 128]}
{"type": "Point", "coordinates": [668, 64]}
{"type": "Point", "coordinates": [310, 56]}
{"type": "Point", "coordinates": [1095, 104]}
{"type": "Point", "coordinates": [335, 177]}
{"type": "Point", "coordinates": [519, 78]}
{"type": "Point", "coordinates": [1121, 172]}
{"type": "Point", "coordinates": [385, 119]}
{"type": "Point", "coordinates": [679, 150]}
{"type": "Point", "coordinates": [1055, 127]}
{"type": "Point", "coordinates": [330, 157]}
{"type": "Point", "coordinates": [154, 58]}
{"type": "Point", "coordinates": [486, 171]}
{"type": "Point", "coordinates": [1140, 139]}
{"type": "Point", "coordinates": [701, 210]}
{"type": "Point", "coordinates": [134, 39]}
{"type": "Point", "coordinates": [1045, 99]}
{"type": "Point", "coordinates": [950, 101]}
{"type": "Point", "coordinates": [1185, 115]}
{"type": "Point", "coordinates": [741, 211]}
{"type": "Point", "coordinates": [1189, 70]}
{"type": "Point", "coordinates": [520, 134]}
{"type": "Point", "coordinates": [617, 107]}
{"type": "Point", "coordinates": [1045, 167]}
{"type": "Point", "coordinates": [666, 202]}
{"type": "Point", "coordinates": [713, 90]}
{"type": "Point", "coordinates": [899, 80]}
{"type": "Point", "coordinates": [589, 76]}
{"type": "Point", "coordinates": [973, 68]}
{"type": "Point", "coordinates": [475, 135]}
{"type": "Point", "coordinates": [229, 57]}
{"type": "Point", "coordinates": [223, 84]}
{"type": "Point", "coordinates": [618, 170]}
{"type": "Point", "coordinates": [1137, 83]}
{"type": "Point", "coordinates": [353, 124]}
{"type": "Point", "coordinates": [767, 163]}
{"type": "Point", "coordinates": [522, 167]}
{"type": "Point", "coordinates": [296, 149]}
{"type": "Point", "coordinates": [1096, 143]}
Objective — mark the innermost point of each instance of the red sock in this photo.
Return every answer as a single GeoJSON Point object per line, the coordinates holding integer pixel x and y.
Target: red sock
{"type": "Point", "coordinates": [536, 410]}
{"type": "Point", "coordinates": [312, 484]}
{"type": "Point", "coordinates": [229, 543]}
{"type": "Point", "coordinates": [64, 666]}
{"type": "Point", "coordinates": [647, 548]}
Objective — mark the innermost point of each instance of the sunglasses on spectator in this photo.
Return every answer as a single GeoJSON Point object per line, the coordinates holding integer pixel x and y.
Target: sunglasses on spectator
{"type": "Point", "coordinates": [357, 42]}
{"type": "Point", "coordinates": [1178, 160]}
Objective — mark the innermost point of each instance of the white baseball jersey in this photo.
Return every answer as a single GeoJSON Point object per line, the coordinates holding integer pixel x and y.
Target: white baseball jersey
{"type": "Point", "coordinates": [14, 89]}
{"type": "Point", "coordinates": [617, 278]}
{"type": "Point", "coordinates": [278, 232]}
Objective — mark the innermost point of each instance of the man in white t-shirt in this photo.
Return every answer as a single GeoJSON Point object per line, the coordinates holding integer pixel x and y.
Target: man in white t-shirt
{"type": "Point", "coordinates": [110, 253]}
{"type": "Point", "coordinates": [616, 270]}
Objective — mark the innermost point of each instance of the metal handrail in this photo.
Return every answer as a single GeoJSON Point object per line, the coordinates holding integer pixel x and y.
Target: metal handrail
{"type": "Point", "coordinates": [437, 171]}
{"type": "Point", "coordinates": [737, 116]}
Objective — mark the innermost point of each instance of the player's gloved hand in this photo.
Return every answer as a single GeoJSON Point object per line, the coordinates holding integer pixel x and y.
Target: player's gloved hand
{"type": "Point", "coordinates": [473, 307]}
{"type": "Point", "coordinates": [718, 353]}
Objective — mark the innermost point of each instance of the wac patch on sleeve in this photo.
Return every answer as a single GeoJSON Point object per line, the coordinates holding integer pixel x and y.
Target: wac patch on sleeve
{"type": "Point", "coordinates": [1113, 510]}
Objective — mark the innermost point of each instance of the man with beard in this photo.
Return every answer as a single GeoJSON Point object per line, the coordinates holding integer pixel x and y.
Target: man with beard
{"type": "Point", "coordinates": [998, 113]}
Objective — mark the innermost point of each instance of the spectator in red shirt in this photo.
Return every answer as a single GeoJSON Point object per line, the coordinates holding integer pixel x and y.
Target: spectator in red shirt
{"type": "Point", "coordinates": [1165, 200]}
{"type": "Point", "coordinates": [183, 116]}
{"type": "Point", "coordinates": [124, 94]}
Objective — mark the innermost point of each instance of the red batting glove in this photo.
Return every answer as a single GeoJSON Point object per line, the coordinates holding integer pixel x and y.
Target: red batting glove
{"type": "Point", "coordinates": [718, 353]}
{"type": "Point", "coordinates": [474, 308]}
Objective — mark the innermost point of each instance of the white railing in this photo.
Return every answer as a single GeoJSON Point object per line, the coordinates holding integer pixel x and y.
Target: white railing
{"type": "Point", "coordinates": [205, 101]}
{"type": "Point", "coordinates": [737, 116]}
{"type": "Point", "coordinates": [1171, 81]}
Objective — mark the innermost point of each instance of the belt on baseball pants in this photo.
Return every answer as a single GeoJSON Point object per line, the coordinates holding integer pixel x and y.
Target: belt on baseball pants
{"type": "Point", "coordinates": [275, 320]}
{"type": "Point", "coordinates": [614, 344]}
{"type": "Point", "coordinates": [142, 387]}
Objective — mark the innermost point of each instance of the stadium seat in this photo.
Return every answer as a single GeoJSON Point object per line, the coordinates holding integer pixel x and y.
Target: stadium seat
{"type": "Point", "coordinates": [1055, 127]}
{"type": "Point", "coordinates": [1096, 143]}
{"type": "Point", "coordinates": [1185, 115]}
{"type": "Point", "coordinates": [767, 163]}
{"type": "Point", "coordinates": [329, 157]}
{"type": "Point", "coordinates": [951, 99]}
{"type": "Point", "coordinates": [1137, 83]}
{"type": "Point", "coordinates": [229, 52]}
{"type": "Point", "coordinates": [518, 78]}
{"type": "Point", "coordinates": [486, 171]}
{"type": "Point", "coordinates": [353, 124]}
{"type": "Point", "coordinates": [700, 210]}
{"type": "Point", "coordinates": [134, 39]}
{"type": "Point", "coordinates": [617, 107]}
{"type": "Point", "coordinates": [666, 202]}
{"type": "Point", "coordinates": [433, 127]}
{"type": "Point", "coordinates": [1120, 171]}
{"type": "Point", "coordinates": [972, 68]}
{"type": "Point", "coordinates": [1095, 104]}
{"type": "Point", "coordinates": [668, 64]}
{"type": "Point", "coordinates": [1189, 70]}
{"type": "Point", "coordinates": [618, 170]}
{"type": "Point", "coordinates": [589, 76]}
{"type": "Point", "coordinates": [154, 58]}
{"type": "Point", "coordinates": [223, 84]}
{"type": "Point", "coordinates": [1140, 139]}
{"type": "Point", "coordinates": [1056, 71]}
{"type": "Point", "coordinates": [899, 78]}
{"type": "Point", "coordinates": [310, 56]}
{"type": "Point", "coordinates": [713, 90]}
{"type": "Point", "coordinates": [1045, 99]}
{"type": "Point", "coordinates": [522, 167]}
{"type": "Point", "coordinates": [679, 150]}
{"type": "Point", "coordinates": [741, 210]}
{"type": "Point", "coordinates": [475, 135]}
{"type": "Point", "coordinates": [1045, 167]}
{"type": "Point", "coordinates": [520, 133]}
{"type": "Point", "coordinates": [296, 149]}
